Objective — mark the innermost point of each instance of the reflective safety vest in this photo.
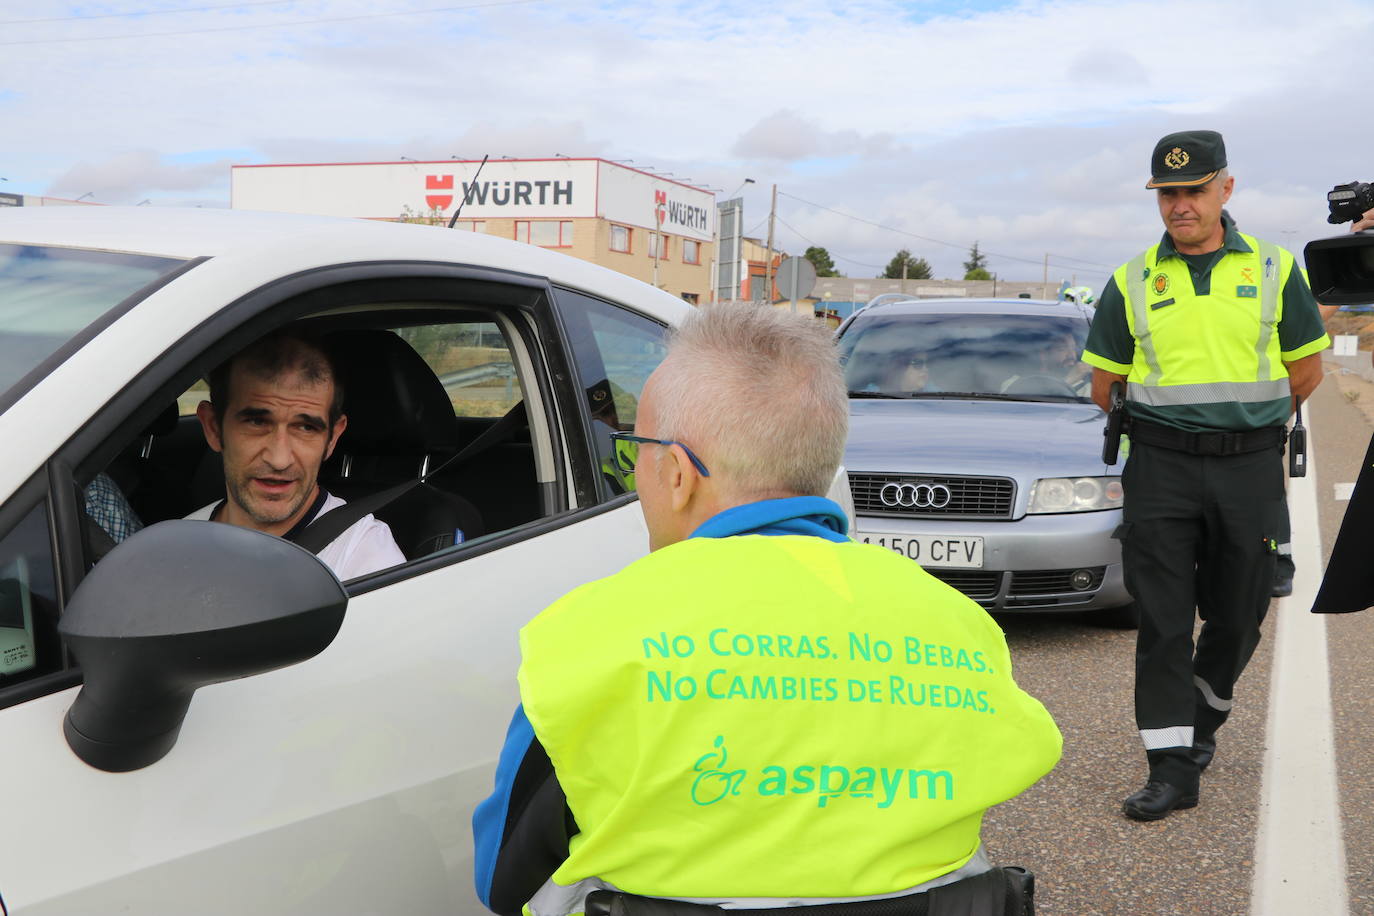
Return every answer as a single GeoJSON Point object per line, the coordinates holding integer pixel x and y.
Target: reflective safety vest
{"type": "Point", "coordinates": [1222, 348]}
{"type": "Point", "coordinates": [763, 718]}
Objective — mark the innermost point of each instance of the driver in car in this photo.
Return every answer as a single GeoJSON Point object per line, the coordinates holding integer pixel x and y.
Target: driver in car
{"type": "Point", "coordinates": [275, 414]}
{"type": "Point", "coordinates": [1059, 362]}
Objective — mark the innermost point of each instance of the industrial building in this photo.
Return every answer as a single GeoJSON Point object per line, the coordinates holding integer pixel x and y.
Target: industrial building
{"type": "Point", "coordinates": [649, 227]}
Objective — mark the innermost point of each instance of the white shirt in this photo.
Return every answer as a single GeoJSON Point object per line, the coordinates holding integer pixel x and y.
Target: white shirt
{"type": "Point", "coordinates": [364, 547]}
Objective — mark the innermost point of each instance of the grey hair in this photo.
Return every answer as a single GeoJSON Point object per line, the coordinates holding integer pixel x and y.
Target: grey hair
{"type": "Point", "coordinates": [757, 393]}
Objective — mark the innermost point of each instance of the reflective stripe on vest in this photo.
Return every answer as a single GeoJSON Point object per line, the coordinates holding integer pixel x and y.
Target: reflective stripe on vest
{"type": "Point", "coordinates": [1174, 380]}
{"type": "Point", "coordinates": [752, 717]}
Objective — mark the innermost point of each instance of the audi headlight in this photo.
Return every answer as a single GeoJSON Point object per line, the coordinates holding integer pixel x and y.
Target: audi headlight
{"type": "Point", "coordinates": [1074, 494]}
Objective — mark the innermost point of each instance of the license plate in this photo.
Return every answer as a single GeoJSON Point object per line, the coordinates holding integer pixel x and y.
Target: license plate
{"type": "Point", "coordinates": [932, 550]}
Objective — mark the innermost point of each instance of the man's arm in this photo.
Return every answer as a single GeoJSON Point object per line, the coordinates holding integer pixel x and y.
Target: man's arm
{"type": "Point", "coordinates": [1102, 387]}
{"type": "Point", "coordinates": [1302, 337]}
{"type": "Point", "coordinates": [1364, 222]}
{"type": "Point", "coordinates": [1110, 348]}
{"type": "Point", "coordinates": [521, 831]}
{"type": "Point", "coordinates": [1304, 375]}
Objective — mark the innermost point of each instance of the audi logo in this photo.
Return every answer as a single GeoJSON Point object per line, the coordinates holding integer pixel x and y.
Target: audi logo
{"type": "Point", "coordinates": [915, 495]}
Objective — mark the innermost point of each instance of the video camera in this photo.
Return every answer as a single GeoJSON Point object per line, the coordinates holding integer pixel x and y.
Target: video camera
{"type": "Point", "coordinates": [1341, 269]}
{"type": "Point", "coordinates": [1348, 202]}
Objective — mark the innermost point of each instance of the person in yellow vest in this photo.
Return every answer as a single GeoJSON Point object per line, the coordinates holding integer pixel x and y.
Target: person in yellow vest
{"type": "Point", "coordinates": [1218, 338]}
{"type": "Point", "coordinates": [762, 712]}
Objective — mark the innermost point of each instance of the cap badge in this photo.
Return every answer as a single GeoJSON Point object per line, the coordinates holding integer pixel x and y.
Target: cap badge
{"type": "Point", "coordinates": [1161, 284]}
{"type": "Point", "coordinates": [1176, 158]}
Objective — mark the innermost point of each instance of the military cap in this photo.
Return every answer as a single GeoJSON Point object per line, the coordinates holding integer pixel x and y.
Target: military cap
{"type": "Point", "coordinates": [1187, 159]}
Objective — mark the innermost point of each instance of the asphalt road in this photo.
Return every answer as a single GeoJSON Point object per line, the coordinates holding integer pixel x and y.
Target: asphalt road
{"type": "Point", "coordinates": [1088, 857]}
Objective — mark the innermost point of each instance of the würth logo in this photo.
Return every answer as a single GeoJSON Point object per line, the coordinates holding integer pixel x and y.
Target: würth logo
{"type": "Point", "coordinates": [660, 205]}
{"type": "Point", "coordinates": [438, 183]}
{"type": "Point", "coordinates": [499, 193]}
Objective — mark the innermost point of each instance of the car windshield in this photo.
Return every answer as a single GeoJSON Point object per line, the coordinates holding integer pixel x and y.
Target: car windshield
{"type": "Point", "coordinates": [995, 356]}
{"type": "Point", "coordinates": [49, 295]}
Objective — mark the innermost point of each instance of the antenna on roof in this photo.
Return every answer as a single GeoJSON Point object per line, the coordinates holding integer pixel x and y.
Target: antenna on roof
{"type": "Point", "coordinates": [453, 219]}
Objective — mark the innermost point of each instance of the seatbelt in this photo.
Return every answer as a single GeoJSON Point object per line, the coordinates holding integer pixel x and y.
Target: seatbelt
{"type": "Point", "coordinates": [320, 533]}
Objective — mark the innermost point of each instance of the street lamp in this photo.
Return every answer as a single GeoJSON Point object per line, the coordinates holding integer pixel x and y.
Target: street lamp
{"type": "Point", "coordinates": [84, 196]}
{"type": "Point", "coordinates": [741, 187]}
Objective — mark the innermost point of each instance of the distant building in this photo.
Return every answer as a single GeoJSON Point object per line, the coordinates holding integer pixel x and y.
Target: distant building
{"type": "Point", "coordinates": [842, 295]}
{"type": "Point", "coordinates": [652, 228]}
{"type": "Point", "coordinates": [35, 200]}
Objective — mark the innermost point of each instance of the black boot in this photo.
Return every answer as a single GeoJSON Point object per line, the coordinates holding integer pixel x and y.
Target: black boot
{"type": "Point", "coordinates": [1156, 800]}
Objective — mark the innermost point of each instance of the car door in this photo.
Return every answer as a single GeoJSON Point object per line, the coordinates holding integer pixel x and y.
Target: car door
{"type": "Point", "coordinates": [345, 783]}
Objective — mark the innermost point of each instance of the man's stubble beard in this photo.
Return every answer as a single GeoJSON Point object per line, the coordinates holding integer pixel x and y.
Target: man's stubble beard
{"type": "Point", "coordinates": [241, 496]}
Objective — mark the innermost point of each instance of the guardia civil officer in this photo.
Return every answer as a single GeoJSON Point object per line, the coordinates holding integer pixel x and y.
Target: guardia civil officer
{"type": "Point", "coordinates": [1217, 337]}
{"type": "Point", "coordinates": [761, 712]}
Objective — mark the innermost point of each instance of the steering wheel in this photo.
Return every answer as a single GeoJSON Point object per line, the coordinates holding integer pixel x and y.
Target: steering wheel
{"type": "Point", "coordinates": [1023, 385]}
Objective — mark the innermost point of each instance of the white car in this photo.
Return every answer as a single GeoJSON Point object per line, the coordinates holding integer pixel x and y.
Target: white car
{"type": "Point", "coordinates": [346, 783]}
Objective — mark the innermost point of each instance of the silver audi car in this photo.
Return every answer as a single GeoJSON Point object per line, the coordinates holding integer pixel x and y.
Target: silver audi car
{"type": "Point", "coordinates": [975, 450]}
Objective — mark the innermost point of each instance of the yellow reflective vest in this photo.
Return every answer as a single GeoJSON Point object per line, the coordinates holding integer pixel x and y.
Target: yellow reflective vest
{"type": "Point", "coordinates": [760, 717]}
{"type": "Point", "coordinates": [1222, 348]}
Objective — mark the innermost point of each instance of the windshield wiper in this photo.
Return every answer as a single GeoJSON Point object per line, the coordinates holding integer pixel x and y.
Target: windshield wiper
{"type": "Point", "coordinates": [976, 395]}
{"type": "Point", "coordinates": [997, 396]}
{"type": "Point", "coordinates": [877, 394]}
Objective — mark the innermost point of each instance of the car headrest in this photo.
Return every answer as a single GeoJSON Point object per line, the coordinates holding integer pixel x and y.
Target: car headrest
{"type": "Point", "coordinates": [164, 423]}
{"type": "Point", "coordinates": [394, 402]}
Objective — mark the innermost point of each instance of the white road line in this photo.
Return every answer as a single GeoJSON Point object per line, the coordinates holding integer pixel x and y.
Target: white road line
{"type": "Point", "coordinates": [1300, 848]}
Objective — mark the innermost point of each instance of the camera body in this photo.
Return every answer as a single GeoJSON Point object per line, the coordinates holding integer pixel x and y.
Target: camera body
{"type": "Point", "coordinates": [1349, 202]}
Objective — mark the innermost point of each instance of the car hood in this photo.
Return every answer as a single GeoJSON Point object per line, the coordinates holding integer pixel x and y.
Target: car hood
{"type": "Point", "coordinates": [1022, 439]}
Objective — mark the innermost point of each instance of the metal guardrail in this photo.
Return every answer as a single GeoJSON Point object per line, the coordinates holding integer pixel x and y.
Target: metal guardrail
{"type": "Point", "coordinates": [463, 378]}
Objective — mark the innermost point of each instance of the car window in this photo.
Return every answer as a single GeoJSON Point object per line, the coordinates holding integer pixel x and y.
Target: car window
{"type": "Point", "coordinates": [48, 295]}
{"type": "Point", "coordinates": [28, 600]}
{"type": "Point", "coordinates": [616, 350]}
{"type": "Point", "coordinates": [422, 386]}
{"type": "Point", "coordinates": [473, 361]}
{"type": "Point", "coordinates": [1021, 357]}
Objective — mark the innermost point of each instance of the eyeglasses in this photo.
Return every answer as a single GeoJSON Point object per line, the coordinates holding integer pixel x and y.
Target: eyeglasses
{"type": "Point", "coordinates": [628, 454]}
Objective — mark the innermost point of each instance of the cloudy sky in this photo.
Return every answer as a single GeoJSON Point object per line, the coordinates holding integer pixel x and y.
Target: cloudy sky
{"type": "Point", "coordinates": [1026, 126]}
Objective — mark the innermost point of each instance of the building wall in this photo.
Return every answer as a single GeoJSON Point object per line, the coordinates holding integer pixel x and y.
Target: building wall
{"type": "Point", "coordinates": [592, 194]}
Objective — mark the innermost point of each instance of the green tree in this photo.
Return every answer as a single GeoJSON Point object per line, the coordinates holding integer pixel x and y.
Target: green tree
{"type": "Point", "coordinates": [976, 267]}
{"type": "Point", "coordinates": [820, 259]}
{"type": "Point", "coordinates": [916, 268]}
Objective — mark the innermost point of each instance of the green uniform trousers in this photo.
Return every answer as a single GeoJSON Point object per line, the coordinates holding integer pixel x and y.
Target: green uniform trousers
{"type": "Point", "coordinates": [1199, 533]}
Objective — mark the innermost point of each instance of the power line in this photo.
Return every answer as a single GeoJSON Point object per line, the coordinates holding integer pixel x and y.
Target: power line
{"type": "Point", "coordinates": [1009, 257]}
{"type": "Point", "coordinates": [189, 9]}
{"type": "Point", "coordinates": [834, 254]}
{"type": "Point", "coordinates": [273, 25]}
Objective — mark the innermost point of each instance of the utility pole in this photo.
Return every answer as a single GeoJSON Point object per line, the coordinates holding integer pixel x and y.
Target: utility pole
{"type": "Point", "coordinates": [768, 265]}
{"type": "Point", "coordinates": [1045, 280]}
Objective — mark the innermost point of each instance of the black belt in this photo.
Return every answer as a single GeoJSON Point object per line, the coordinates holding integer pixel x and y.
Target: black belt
{"type": "Point", "coordinates": [1007, 891]}
{"type": "Point", "coordinates": [1239, 442]}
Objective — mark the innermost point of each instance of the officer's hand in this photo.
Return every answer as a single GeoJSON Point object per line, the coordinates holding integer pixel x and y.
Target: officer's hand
{"type": "Point", "coordinates": [1364, 222]}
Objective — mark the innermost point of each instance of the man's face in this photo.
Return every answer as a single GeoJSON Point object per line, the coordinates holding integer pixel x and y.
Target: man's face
{"type": "Point", "coordinates": [274, 436]}
{"type": "Point", "coordinates": [1062, 353]}
{"type": "Point", "coordinates": [1192, 216]}
{"type": "Point", "coordinates": [650, 471]}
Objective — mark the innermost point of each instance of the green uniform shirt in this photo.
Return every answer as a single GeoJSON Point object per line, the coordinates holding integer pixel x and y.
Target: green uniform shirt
{"type": "Point", "coordinates": [1111, 345]}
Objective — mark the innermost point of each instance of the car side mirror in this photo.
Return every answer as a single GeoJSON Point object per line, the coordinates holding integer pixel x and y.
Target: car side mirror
{"type": "Point", "coordinates": [180, 605]}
